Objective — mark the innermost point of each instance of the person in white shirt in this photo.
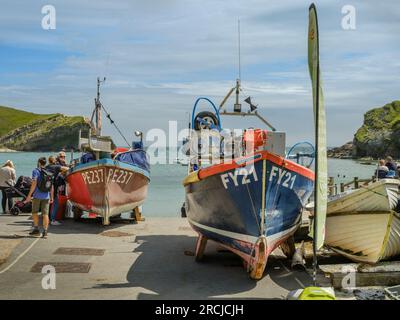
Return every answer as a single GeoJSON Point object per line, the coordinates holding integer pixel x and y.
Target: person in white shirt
{"type": "Point", "coordinates": [7, 179]}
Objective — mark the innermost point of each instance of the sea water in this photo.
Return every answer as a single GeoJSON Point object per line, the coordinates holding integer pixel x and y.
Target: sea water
{"type": "Point", "coordinates": [166, 193]}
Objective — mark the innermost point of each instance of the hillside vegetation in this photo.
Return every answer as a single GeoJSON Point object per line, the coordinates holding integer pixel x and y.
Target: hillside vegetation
{"type": "Point", "coordinates": [26, 131]}
{"type": "Point", "coordinates": [11, 119]}
{"type": "Point", "coordinates": [379, 135]}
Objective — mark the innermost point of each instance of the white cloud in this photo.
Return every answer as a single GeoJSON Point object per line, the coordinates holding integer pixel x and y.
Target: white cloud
{"type": "Point", "coordinates": [159, 56]}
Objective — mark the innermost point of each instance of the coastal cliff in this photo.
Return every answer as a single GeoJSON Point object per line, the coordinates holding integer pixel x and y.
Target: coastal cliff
{"type": "Point", "coordinates": [25, 131]}
{"type": "Point", "coordinates": [378, 137]}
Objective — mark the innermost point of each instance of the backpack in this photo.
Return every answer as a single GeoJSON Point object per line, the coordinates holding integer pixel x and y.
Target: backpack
{"type": "Point", "coordinates": [46, 180]}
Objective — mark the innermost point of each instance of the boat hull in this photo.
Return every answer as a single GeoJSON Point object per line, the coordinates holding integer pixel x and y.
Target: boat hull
{"type": "Point", "coordinates": [367, 237]}
{"type": "Point", "coordinates": [382, 195]}
{"type": "Point", "coordinates": [250, 208]}
{"type": "Point", "coordinates": [107, 187]}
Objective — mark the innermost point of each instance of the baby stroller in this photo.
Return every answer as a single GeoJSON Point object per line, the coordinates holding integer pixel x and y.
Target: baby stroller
{"type": "Point", "coordinates": [20, 190]}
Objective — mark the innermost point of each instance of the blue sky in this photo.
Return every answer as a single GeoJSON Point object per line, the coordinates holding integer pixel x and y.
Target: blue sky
{"type": "Point", "coordinates": [159, 55]}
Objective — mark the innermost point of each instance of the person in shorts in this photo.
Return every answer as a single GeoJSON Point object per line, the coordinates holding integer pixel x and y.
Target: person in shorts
{"type": "Point", "coordinates": [41, 195]}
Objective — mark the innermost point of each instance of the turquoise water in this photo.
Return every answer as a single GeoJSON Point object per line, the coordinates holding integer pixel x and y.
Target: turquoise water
{"type": "Point", "coordinates": [166, 193]}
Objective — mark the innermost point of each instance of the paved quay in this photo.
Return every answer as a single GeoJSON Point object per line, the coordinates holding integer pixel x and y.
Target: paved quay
{"type": "Point", "coordinates": [150, 260]}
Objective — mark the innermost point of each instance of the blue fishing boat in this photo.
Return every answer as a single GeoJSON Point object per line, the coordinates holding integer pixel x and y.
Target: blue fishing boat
{"type": "Point", "coordinates": [249, 200]}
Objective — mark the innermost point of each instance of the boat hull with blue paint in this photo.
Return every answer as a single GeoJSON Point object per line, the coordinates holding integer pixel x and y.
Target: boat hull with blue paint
{"type": "Point", "coordinates": [109, 187]}
{"type": "Point", "coordinates": [250, 206]}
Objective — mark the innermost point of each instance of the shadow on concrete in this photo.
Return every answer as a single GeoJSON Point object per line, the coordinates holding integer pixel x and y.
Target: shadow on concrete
{"type": "Point", "coordinates": [84, 226]}
{"type": "Point", "coordinates": [280, 271]}
{"type": "Point", "coordinates": [27, 223]}
{"type": "Point", "coordinates": [163, 271]}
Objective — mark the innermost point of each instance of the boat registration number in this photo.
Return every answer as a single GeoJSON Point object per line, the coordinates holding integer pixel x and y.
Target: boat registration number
{"type": "Point", "coordinates": [247, 176]}
{"type": "Point", "coordinates": [284, 178]}
{"type": "Point", "coordinates": [96, 176]}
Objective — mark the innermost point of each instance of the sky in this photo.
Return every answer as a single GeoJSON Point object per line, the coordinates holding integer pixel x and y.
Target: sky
{"type": "Point", "coordinates": [160, 55]}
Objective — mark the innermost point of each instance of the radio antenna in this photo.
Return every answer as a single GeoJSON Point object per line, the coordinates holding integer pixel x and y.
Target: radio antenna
{"type": "Point", "coordinates": [240, 71]}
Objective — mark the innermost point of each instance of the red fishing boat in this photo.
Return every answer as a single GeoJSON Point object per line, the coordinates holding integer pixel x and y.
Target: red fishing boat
{"type": "Point", "coordinates": [106, 180]}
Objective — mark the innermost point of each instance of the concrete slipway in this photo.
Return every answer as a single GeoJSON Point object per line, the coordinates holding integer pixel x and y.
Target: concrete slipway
{"type": "Point", "coordinates": [150, 260]}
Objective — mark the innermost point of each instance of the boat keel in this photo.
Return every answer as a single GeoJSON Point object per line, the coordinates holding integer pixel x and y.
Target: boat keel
{"type": "Point", "coordinates": [258, 259]}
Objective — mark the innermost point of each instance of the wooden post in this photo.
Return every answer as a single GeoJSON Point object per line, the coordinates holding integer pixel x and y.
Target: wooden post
{"type": "Point", "coordinates": [331, 185]}
{"type": "Point", "coordinates": [356, 183]}
{"type": "Point", "coordinates": [200, 247]}
{"type": "Point", "coordinates": [138, 214]}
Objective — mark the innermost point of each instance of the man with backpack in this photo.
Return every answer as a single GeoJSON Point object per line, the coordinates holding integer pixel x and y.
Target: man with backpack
{"type": "Point", "coordinates": [41, 193]}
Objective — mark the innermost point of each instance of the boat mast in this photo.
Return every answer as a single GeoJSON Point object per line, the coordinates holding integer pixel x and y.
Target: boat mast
{"type": "Point", "coordinates": [237, 107]}
{"type": "Point", "coordinates": [96, 130]}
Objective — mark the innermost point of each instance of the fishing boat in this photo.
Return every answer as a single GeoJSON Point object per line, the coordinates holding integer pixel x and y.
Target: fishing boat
{"type": "Point", "coordinates": [248, 199]}
{"type": "Point", "coordinates": [107, 180]}
{"type": "Point", "coordinates": [367, 237]}
{"type": "Point", "coordinates": [381, 195]}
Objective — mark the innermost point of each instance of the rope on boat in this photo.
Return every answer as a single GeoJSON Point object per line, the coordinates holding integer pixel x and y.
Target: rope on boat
{"type": "Point", "coordinates": [113, 123]}
{"type": "Point", "coordinates": [379, 194]}
{"type": "Point", "coordinates": [252, 205]}
{"type": "Point", "coordinates": [264, 177]}
{"type": "Point", "coordinates": [275, 200]}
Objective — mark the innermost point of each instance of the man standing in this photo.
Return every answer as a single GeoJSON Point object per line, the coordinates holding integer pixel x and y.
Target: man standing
{"type": "Point", "coordinates": [53, 166]}
{"type": "Point", "coordinates": [59, 191]}
{"type": "Point", "coordinates": [42, 193]}
{"type": "Point", "coordinates": [392, 165]}
{"type": "Point", "coordinates": [61, 159]}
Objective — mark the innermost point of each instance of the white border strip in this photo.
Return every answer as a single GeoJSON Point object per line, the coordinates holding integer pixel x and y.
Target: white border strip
{"type": "Point", "coordinates": [20, 256]}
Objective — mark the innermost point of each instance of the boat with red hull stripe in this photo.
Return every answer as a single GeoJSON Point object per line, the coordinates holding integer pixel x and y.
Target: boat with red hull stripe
{"type": "Point", "coordinates": [241, 190]}
{"type": "Point", "coordinates": [107, 187]}
{"type": "Point", "coordinates": [227, 203]}
{"type": "Point", "coordinates": [108, 180]}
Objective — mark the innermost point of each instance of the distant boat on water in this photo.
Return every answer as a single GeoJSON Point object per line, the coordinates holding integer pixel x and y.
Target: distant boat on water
{"type": "Point", "coordinates": [107, 180]}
